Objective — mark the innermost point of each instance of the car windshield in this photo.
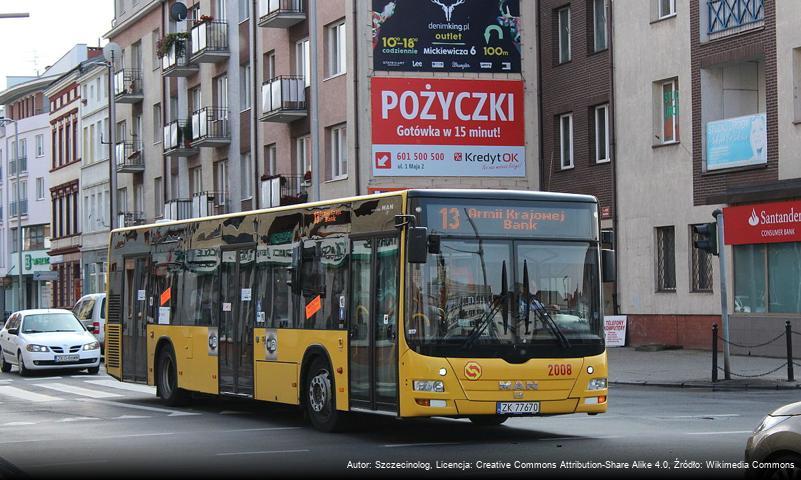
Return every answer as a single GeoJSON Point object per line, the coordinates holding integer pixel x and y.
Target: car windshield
{"type": "Point", "coordinates": [51, 322]}
{"type": "Point", "coordinates": [517, 299]}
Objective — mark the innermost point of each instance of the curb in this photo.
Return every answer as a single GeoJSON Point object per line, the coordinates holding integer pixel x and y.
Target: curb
{"type": "Point", "coordinates": [718, 386]}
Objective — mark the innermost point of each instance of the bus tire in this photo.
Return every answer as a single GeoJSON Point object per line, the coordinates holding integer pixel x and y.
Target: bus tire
{"type": "Point", "coordinates": [489, 420]}
{"type": "Point", "coordinates": [167, 380]}
{"type": "Point", "coordinates": [320, 400]}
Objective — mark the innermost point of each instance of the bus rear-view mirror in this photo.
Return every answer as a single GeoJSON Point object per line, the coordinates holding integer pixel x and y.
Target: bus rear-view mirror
{"type": "Point", "coordinates": [608, 273]}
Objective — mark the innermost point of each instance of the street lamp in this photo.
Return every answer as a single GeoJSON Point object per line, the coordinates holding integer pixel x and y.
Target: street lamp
{"type": "Point", "coordinates": [3, 121]}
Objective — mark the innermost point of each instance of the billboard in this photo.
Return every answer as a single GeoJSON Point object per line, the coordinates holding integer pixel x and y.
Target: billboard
{"type": "Point", "coordinates": [775, 222]}
{"type": "Point", "coordinates": [446, 35]}
{"type": "Point", "coordinates": [737, 142]}
{"type": "Point", "coordinates": [425, 127]}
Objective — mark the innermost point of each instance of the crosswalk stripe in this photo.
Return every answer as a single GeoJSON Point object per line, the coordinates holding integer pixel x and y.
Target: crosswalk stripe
{"type": "Point", "coordinates": [132, 387]}
{"type": "Point", "coordinates": [84, 392]}
{"type": "Point", "coordinates": [26, 395]}
{"type": "Point", "coordinates": [171, 413]}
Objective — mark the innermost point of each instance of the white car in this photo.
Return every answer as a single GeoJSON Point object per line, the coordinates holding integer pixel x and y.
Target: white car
{"type": "Point", "coordinates": [91, 311]}
{"type": "Point", "coordinates": [47, 339]}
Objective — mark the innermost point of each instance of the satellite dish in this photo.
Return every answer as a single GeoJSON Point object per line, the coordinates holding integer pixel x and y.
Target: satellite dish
{"type": "Point", "coordinates": [178, 12]}
{"type": "Point", "coordinates": [112, 52]}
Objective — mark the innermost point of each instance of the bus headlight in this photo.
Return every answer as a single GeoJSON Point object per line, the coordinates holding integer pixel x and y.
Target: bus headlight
{"type": "Point", "coordinates": [91, 346]}
{"type": "Point", "coordinates": [36, 348]}
{"type": "Point", "coordinates": [429, 386]}
{"type": "Point", "coordinates": [597, 384]}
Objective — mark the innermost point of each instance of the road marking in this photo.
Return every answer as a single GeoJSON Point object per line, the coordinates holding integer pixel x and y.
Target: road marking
{"type": "Point", "coordinates": [84, 392]}
{"type": "Point", "coordinates": [67, 464]}
{"type": "Point", "coordinates": [39, 379]}
{"type": "Point", "coordinates": [171, 413]}
{"type": "Point", "coordinates": [266, 452]}
{"type": "Point", "coordinates": [737, 432]}
{"type": "Point", "coordinates": [26, 395]}
{"type": "Point", "coordinates": [132, 387]}
{"type": "Point", "coordinates": [130, 417]}
{"type": "Point", "coordinates": [17, 424]}
{"type": "Point", "coordinates": [76, 419]}
{"type": "Point", "coordinates": [137, 435]}
{"type": "Point", "coordinates": [261, 429]}
{"type": "Point", "coordinates": [432, 444]}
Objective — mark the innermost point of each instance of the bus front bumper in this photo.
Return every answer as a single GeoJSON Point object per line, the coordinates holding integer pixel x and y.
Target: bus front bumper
{"type": "Point", "coordinates": [463, 407]}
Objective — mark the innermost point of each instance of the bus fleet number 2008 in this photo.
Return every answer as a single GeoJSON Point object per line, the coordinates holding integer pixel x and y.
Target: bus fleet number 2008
{"type": "Point", "coordinates": [560, 369]}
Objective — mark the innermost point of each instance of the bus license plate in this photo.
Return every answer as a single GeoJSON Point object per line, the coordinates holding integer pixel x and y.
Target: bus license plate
{"type": "Point", "coordinates": [517, 408]}
{"type": "Point", "coordinates": [67, 358]}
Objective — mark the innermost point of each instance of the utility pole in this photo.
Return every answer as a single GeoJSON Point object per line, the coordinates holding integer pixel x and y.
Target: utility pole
{"type": "Point", "coordinates": [724, 310]}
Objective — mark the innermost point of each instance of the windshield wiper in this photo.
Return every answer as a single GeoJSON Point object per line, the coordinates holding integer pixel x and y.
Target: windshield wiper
{"type": "Point", "coordinates": [547, 319]}
{"type": "Point", "coordinates": [485, 320]}
{"type": "Point", "coordinates": [32, 331]}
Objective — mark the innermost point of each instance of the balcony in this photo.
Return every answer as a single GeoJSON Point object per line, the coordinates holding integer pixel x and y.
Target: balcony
{"type": "Point", "coordinates": [175, 62]}
{"type": "Point", "coordinates": [128, 86]}
{"type": "Point", "coordinates": [200, 205]}
{"type": "Point", "coordinates": [728, 17]}
{"type": "Point", "coordinates": [283, 99]}
{"type": "Point", "coordinates": [280, 13]}
{"type": "Point", "coordinates": [23, 208]}
{"type": "Point", "coordinates": [23, 165]}
{"type": "Point", "coordinates": [177, 141]}
{"type": "Point", "coordinates": [209, 42]}
{"type": "Point", "coordinates": [131, 219]}
{"type": "Point", "coordinates": [130, 157]}
{"type": "Point", "coordinates": [279, 190]}
{"type": "Point", "coordinates": [210, 127]}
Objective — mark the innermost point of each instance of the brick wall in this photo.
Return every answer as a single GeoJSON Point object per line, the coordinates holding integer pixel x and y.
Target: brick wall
{"type": "Point", "coordinates": [689, 331]}
{"type": "Point", "coordinates": [574, 87]}
{"type": "Point", "coordinates": [760, 42]}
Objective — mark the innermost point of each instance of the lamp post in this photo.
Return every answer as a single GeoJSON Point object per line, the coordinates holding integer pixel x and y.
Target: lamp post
{"type": "Point", "coordinates": [20, 297]}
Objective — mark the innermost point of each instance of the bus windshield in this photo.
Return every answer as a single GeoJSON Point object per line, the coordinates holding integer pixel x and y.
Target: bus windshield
{"type": "Point", "coordinates": [513, 299]}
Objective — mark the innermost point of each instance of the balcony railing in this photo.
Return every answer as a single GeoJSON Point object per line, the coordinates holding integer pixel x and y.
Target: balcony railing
{"type": "Point", "coordinates": [128, 86]}
{"type": "Point", "coordinates": [200, 205]}
{"type": "Point", "coordinates": [130, 157]}
{"type": "Point", "coordinates": [131, 219]}
{"type": "Point", "coordinates": [23, 208]}
{"type": "Point", "coordinates": [177, 141]}
{"type": "Point", "coordinates": [175, 63]}
{"type": "Point", "coordinates": [209, 42]}
{"type": "Point", "coordinates": [210, 127]}
{"type": "Point", "coordinates": [23, 165]}
{"type": "Point", "coordinates": [733, 16]}
{"type": "Point", "coordinates": [283, 99]}
{"type": "Point", "coordinates": [280, 13]}
{"type": "Point", "coordinates": [278, 190]}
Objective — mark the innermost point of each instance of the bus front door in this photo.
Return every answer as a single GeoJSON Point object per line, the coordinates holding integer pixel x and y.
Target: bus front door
{"type": "Point", "coordinates": [237, 315]}
{"type": "Point", "coordinates": [373, 353]}
{"type": "Point", "coordinates": [135, 319]}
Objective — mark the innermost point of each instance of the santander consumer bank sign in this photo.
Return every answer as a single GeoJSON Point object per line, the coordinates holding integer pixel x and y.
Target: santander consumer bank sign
{"type": "Point", "coordinates": [435, 127]}
{"type": "Point", "coordinates": [775, 222]}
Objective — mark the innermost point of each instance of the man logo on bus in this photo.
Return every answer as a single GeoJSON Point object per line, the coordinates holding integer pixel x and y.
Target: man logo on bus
{"type": "Point", "coordinates": [472, 371]}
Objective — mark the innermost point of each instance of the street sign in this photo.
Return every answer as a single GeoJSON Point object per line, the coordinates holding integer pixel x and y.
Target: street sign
{"type": "Point", "coordinates": [48, 276]}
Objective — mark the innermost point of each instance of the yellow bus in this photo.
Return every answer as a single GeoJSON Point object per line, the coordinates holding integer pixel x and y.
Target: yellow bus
{"type": "Point", "coordinates": [457, 303]}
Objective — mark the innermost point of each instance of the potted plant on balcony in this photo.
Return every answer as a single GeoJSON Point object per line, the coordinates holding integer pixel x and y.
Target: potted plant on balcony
{"type": "Point", "coordinates": [166, 42]}
{"type": "Point", "coordinates": [204, 19]}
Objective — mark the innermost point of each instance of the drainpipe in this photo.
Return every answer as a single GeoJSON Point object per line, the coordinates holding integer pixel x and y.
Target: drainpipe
{"type": "Point", "coordinates": [613, 148]}
{"type": "Point", "coordinates": [255, 97]}
{"type": "Point", "coordinates": [539, 100]}
{"type": "Point", "coordinates": [356, 140]}
{"type": "Point", "coordinates": [314, 94]}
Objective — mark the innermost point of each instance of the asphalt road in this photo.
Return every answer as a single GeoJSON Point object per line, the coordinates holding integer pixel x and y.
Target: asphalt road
{"type": "Point", "coordinates": [63, 425]}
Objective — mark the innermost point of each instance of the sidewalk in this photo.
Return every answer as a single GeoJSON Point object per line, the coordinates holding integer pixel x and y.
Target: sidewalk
{"type": "Point", "coordinates": [693, 369]}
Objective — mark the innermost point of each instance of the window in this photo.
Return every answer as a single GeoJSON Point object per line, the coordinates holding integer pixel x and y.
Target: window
{"type": "Point", "coordinates": [302, 155]}
{"type": "Point", "coordinates": [665, 259]}
{"type": "Point", "coordinates": [269, 65]}
{"type": "Point", "coordinates": [766, 278]}
{"type": "Point", "coordinates": [33, 237]}
{"type": "Point", "coordinates": [564, 34]}
{"type": "Point", "coordinates": [302, 61]}
{"type": "Point", "coordinates": [195, 180]}
{"type": "Point", "coordinates": [669, 111]}
{"type": "Point", "coordinates": [158, 197]}
{"type": "Point", "coordinates": [244, 87]}
{"type": "Point", "coordinates": [339, 152]}
{"type": "Point", "coordinates": [40, 188]}
{"type": "Point", "coordinates": [566, 140]}
{"type": "Point", "coordinates": [221, 93]}
{"type": "Point", "coordinates": [195, 99]}
{"type": "Point", "coordinates": [244, 10]}
{"type": "Point", "coordinates": [154, 41]}
{"type": "Point", "coordinates": [336, 49]}
{"type": "Point", "coordinates": [270, 158]}
{"type": "Point", "coordinates": [666, 8]}
{"type": "Point", "coordinates": [701, 266]}
{"type": "Point", "coordinates": [221, 169]}
{"type": "Point", "coordinates": [40, 146]}
{"type": "Point", "coordinates": [602, 134]}
{"type": "Point", "coordinates": [246, 172]}
{"type": "Point", "coordinates": [599, 25]}
{"type": "Point", "coordinates": [220, 9]}
{"type": "Point", "coordinates": [157, 127]}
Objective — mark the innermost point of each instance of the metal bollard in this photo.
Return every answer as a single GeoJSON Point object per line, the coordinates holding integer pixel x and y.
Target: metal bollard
{"type": "Point", "coordinates": [715, 352]}
{"type": "Point", "coordinates": [788, 333]}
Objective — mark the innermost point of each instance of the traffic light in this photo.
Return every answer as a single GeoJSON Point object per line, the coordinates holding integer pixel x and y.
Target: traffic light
{"type": "Point", "coordinates": [707, 237]}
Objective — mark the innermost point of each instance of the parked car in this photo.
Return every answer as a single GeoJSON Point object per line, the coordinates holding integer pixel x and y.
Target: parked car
{"type": "Point", "coordinates": [91, 311]}
{"type": "Point", "coordinates": [47, 339]}
{"type": "Point", "coordinates": [774, 449]}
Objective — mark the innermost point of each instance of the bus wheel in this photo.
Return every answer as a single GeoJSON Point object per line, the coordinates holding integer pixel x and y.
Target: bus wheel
{"type": "Point", "coordinates": [489, 420]}
{"type": "Point", "coordinates": [320, 399]}
{"type": "Point", "coordinates": [167, 380]}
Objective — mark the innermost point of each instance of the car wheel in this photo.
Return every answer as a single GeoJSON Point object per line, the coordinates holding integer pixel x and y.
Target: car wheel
{"type": "Point", "coordinates": [23, 372]}
{"type": "Point", "coordinates": [782, 473]}
{"type": "Point", "coordinates": [93, 370]}
{"type": "Point", "coordinates": [489, 420]}
{"type": "Point", "coordinates": [167, 380]}
{"type": "Point", "coordinates": [5, 367]}
{"type": "Point", "coordinates": [320, 399]}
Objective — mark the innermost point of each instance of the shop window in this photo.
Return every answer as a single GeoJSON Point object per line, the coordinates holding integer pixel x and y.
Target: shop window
{"type": "Point", "coordinates": [665, 259]}
{"type": "Point", "coordinates": [766, 278]}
